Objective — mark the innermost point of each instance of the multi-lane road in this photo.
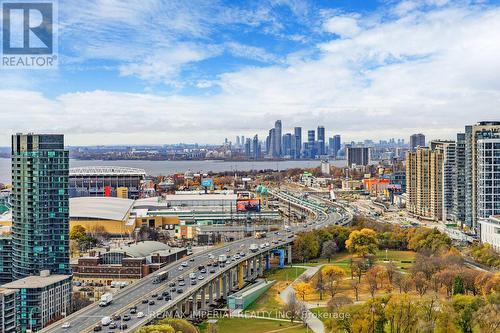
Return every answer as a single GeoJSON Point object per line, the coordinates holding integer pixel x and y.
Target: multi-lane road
{"type": "Point", "coordinates": [88, 318]}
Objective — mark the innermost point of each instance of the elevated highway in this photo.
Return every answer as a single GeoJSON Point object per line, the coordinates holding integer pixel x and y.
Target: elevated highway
{"type": "Point", "coordinates": [208, 291]}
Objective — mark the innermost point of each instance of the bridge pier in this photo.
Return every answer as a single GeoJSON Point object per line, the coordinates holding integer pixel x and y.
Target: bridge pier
{"type": "Point", "coordinates": [203, 304]}
{"type": "Point", "coordinates": [224, 286]}
{"type": "Point", "coordinates": [289, 254]}
{"type": "Point", "coordinates": [211, 293]}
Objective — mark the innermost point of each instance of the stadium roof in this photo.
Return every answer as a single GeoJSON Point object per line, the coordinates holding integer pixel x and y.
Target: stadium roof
{"type": "Point", "coordinates": [142, 249]}
{"type": "Point", "coordinates": [106, 171]}
{"type": "Point", "coordinates": [103, 208]}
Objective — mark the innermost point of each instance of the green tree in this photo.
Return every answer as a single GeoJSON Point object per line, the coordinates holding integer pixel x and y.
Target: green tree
{"type": "Point", "coordinates": [458, 285]}
{"type": "Point", "coordinates": [465, 307]}
{"type": "Point", "coordinates": [158, 328]}
{"type": "Point", "coordinates": [306, 246]}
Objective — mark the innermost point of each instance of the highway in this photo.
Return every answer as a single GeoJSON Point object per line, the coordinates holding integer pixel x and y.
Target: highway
{"type": "Point", "coordinates": [88, 318]}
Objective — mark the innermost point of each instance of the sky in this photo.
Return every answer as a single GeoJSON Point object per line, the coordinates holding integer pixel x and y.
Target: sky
{"type": "Point", "coordinates": [158, 72]}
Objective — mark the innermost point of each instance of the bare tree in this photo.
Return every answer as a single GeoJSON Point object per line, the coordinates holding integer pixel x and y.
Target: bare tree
{"type": "Point", "coordinates": [292, 307]}
{"type": "Point", "coordinates": [329, 249]}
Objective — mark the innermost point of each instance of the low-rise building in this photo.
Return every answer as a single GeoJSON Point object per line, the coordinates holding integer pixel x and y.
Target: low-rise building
{"type": "Point", "coordinates": [5, 259]}
{"type": "Point", "coordinates": [41, 299]}
{"type": "Point", "coordinates": [490, 231]}
{"type": "Point", "coordinates": [8, 310]}
{"type": "Point", "coordinates": [126, 263]}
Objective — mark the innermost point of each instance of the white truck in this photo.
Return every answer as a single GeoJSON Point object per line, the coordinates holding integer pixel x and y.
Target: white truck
{"type": "Point", "coordinates": [222, 258]}
{"type": "Point", "coordinates": [106, 299]}
{"type": "Point", "coordinates": [254, 247]}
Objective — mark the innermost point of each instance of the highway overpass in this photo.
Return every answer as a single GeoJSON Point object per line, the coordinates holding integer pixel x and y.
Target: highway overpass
{"type": "Point", "coordinates": [206, 293]}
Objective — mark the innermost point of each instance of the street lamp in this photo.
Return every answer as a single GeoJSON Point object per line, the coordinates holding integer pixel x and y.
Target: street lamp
{"type": "Point", "coordinates": [30, 317]}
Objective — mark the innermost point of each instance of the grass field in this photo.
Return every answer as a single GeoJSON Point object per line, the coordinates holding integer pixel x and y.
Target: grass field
{"type": "Point", "coordinates": [402, 259]}
{"type": "Point", "coordinates": [284, 274]}
{"type": "Point", "coordinates": [254, 325]}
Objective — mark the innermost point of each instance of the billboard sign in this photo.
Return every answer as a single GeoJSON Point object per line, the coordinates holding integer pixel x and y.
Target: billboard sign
{"type": "Point", "coordinates": [248, 205]}
{"type": "Point", "coordinates": [209, 182]}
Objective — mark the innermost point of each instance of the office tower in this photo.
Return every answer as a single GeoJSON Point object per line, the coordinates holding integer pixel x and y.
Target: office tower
{"type": "Point", "coordinates": [460, 180]}
{"type": "Point", "coordinates": [5, 259]}
{"type": "Point", "coordinates": [321, 141]}
{"type": "Point", "coordinates": [325, 168]}
{"type": "Point", "coordinates": [242, 140]}
{"type": "Point", "coordinates": [448, 173]}
{"type": "Point", "coordinates": [256, 147]}
{"type": "Point", "coordinates": [43, 298]}
{"type": "Point", "coordinates": [8, 304]}
{"type": "Point", "coordinates": [248, 147]}
{"type": "Point", "coordinates": [271, 145]}
{"type": "Point", "coordinates": [330, 146]}
{"type": "Point", "coordinates": [417, 140]}
{"type": "Point", "coordinates": [424, 186]}
{"type": "Point", "coordinates": [287, 144]}
{"type": "Point", "coordinates": [475, 196]}
{"type": "Point", "coordinates": [298, 141]}
{"type": "Point", "coordinates": [237, 141]}
{"type": "Point", "coordinates": [336, 145]}
{"type": "Point", "coordinates": [277, 149]}
{"type": "Point", "coordinates": [358, 156]}
{"type": "Point", "coordinates": [311, 143]}
{"type": "Point", "coordinates": [40, 213]}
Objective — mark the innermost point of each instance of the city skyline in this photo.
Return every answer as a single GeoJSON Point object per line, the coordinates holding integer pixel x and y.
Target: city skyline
{"type": "Point", "coordinates": [210, 71]}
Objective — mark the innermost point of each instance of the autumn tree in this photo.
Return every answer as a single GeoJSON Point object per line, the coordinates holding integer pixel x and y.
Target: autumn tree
{"type": "Point", "coordinates": [302, 289]}
{"type": "Point", "coordinates": [319, 284]}
{"type": "Point", "coordinates": [488, 316]}
{"type": "Point", "coordinates": [333, 275]}
{"type": "Point", "coordinates": [77, 232]}
{"type": "Point", "coordinates": [362, 242]}
{"type": "Point", "coordinates": [401, 313]}
{"type": "Point", "coordinates": [420, 282]}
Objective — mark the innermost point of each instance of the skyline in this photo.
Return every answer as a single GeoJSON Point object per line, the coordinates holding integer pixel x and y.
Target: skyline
{"type": "Point", "coordinates": [376, 69]}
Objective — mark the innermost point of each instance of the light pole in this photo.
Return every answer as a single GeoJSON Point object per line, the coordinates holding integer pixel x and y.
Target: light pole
{"type": "Point", "coordinates": [30, 317]}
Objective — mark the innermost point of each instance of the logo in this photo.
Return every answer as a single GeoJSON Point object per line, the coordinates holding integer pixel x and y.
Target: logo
{"type": "Point", "coordinates": [28, 34]}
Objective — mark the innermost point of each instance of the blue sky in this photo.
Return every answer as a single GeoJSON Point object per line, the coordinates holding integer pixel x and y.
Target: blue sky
{"type": "Point", "coordinates": [198, 71]}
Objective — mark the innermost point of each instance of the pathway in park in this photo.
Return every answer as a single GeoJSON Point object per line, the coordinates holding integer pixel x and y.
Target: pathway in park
{"type": "Point", "coordinates": [312, 321]}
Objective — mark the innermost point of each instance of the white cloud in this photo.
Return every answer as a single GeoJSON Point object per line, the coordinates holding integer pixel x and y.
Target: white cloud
{"type": "Point", "coordinates": [431, 71]}
{"type": "Point", "coordinates": [342, 25]}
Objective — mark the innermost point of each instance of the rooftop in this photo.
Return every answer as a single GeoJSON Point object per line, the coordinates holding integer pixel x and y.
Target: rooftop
{"type": "Point", "coordinates": [104, 208]}
{"type": "Point", "coordinates": [142, 249]}
{"type": "Point", "coordinates": [106, 171]}
{"type": "Point", "coordinates": [35, 281]}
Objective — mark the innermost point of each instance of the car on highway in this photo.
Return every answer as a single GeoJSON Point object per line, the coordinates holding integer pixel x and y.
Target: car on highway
{"type": "Point", "coordinates": [145, 301]}
{"type": "Point", "coordinates": [106, 321]}
{"type": "Point", "coordinates": [159, 298]}
{"type": "Point", "coordinates": [180, 268]}
{"type": "Point", "coordinates": [193, 282]}
{"type": "Point", "coordinates": [66, 325]}
{"type": "Point", "coordinates": [140, 314]}
{"type": "Point", "coordinates": [184, 264]}
{"type": "Point", "coordinates": [201, 277]}
{"type": "Point", "coordinates": [180, 290]}
{"type": "Point", "coordinates": [203, 271]}
{"type": "Point", "coordinates": [151, 302]}
{"type": "Point", "coordinates": [126, 317]}
{"type": "Point", "coordinates": [123, 326]}
{"type": "Point", "coordinates": [180, 278]}
{"type": "Point", "coordinates": [171, 284]}
{"type": "Point", "coordinates": [97, 328]}
{"type": "Point", "coordinates": [191, 259]}
{"type": "Point", "coordinates": [112, 326]}
{"type": "Point", "coordinates": [182, 283]}
{"type": "Point", "coordinates": [133, 310]}
{"type": "Point", "coordinates": [212, 270]}
{"type": "Point", "coordinates": [173, 289]}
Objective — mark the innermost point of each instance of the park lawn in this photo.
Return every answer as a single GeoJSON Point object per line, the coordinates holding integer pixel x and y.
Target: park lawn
{"type": "Point", "coordinates": [254, 325]}
{"type": "Point", "coordinates": [402, 259]}
{"type": "Point", "coordinates": [284, 274]}
{"type": "Point", "coordinates": [268, 303]}
{"type": "Point", "coordinates": [318, 312]}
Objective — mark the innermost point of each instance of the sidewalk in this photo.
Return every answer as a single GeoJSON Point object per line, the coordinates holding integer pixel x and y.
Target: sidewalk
{"type": "Point", "coordinates": [312, 321]}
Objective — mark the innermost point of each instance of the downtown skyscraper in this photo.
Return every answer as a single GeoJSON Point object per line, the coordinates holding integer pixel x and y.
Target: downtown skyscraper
{"type": "Point", "coordinates": [40, 205]}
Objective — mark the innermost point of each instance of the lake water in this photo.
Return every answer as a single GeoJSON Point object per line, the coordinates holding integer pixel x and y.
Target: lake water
{"type": "Point", "coordinates": [155, 168]}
